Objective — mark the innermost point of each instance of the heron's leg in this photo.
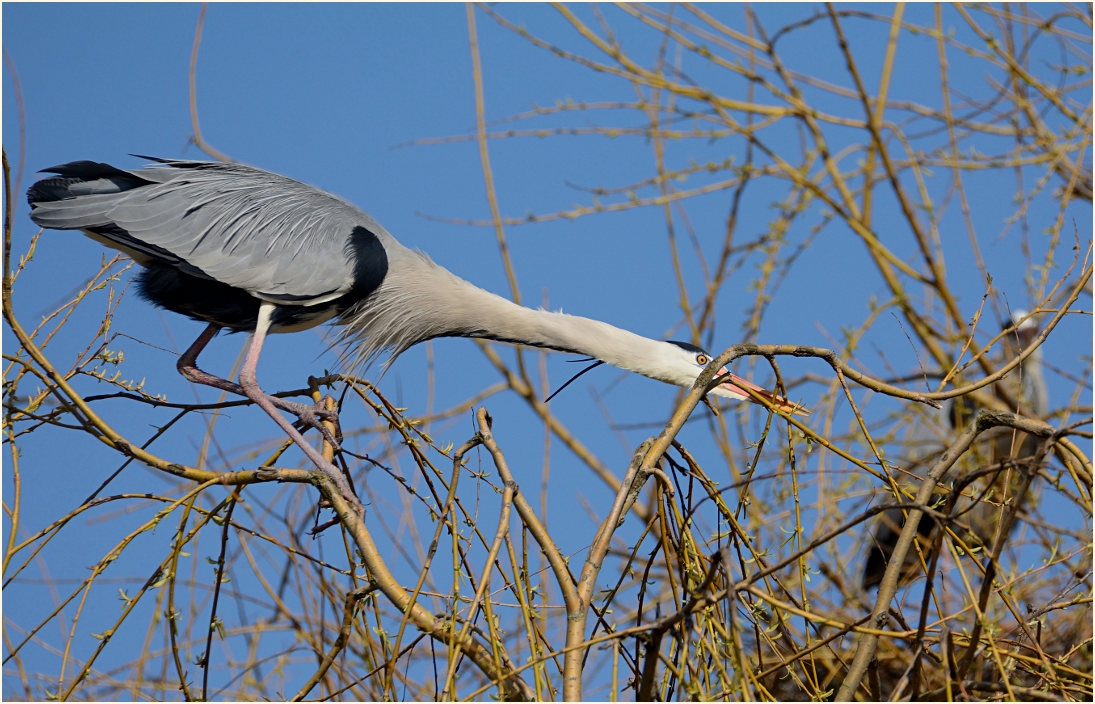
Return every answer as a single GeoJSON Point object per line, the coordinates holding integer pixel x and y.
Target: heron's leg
{"type": "Point", "coordinates": [188, 367]}
{"type": "Point", "coordinates": [188, 363]}
{"type": "Point", "coordinates": [250, 386]}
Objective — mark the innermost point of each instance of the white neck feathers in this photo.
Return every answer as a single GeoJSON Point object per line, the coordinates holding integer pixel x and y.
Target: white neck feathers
{"type": "Point", "coordinates": [420, 300]}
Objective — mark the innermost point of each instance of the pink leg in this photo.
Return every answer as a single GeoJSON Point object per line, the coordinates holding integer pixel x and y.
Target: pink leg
{"type": "Point", "coordinates": [250, 388]}
{"type": "Point", "coordinates": [188, 367]}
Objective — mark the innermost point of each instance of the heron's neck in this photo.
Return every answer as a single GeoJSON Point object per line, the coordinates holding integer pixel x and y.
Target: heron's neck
{"type": "Point", "coordinates": [426, 301]}
{"type": "Point", "coordinates": [1035, 392]}
{"type": "Point", "coordinates": [485, 315]}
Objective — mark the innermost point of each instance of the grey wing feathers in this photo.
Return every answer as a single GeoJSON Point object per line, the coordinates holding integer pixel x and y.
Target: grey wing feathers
{"type": "Point", "coordinates": [277, 238]}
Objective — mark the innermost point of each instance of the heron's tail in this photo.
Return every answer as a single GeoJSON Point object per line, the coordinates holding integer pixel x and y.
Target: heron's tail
{"type": "Point", "coordinates": [80, 196]}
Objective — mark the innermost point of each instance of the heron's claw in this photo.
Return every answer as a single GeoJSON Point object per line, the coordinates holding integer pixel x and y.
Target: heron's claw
{"type": "Point", "coordinates": [318, 419]}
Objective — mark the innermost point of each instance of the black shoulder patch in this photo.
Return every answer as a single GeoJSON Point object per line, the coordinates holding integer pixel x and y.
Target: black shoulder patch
{"type": "Point", "coordinates": [370, 262]}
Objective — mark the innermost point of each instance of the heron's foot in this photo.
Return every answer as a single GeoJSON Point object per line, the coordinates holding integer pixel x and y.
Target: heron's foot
{"type": "Point", "coordinates": [313, 416]}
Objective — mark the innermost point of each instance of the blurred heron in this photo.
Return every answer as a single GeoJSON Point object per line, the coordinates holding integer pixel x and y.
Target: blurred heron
{"type": "Point", "coordinates": [1001, 455]}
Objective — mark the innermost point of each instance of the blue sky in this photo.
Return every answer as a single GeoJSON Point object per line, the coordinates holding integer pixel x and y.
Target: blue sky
{"type": "Point", "coordinates": [338, 95]}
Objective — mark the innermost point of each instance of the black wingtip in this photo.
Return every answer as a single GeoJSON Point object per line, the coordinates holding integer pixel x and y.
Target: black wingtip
{"type": "Point", "coordinates": [84, 169]}
{"type": "Point", "coordinates": [72, 178]}
{"type": "Point", "coordinates": [57, 187]}
{"type": "Point", "coordinates": [46, 191]}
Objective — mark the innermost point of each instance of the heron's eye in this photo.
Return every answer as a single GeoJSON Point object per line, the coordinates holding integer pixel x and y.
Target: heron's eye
{"type": "Point", "coordinates": [702, 360]}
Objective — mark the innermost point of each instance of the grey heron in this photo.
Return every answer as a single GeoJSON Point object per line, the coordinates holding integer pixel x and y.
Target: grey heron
{"type": "Point", "coordinates": [241, 248]}
{"type": "Point", "coordinates": [999, 455]}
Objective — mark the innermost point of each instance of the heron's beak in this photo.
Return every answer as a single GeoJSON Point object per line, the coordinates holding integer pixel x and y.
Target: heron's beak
{"type": "Point", "coordinates": [733, 386]}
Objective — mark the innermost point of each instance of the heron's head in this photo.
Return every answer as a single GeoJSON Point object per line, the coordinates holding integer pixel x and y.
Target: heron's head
{"type": "Point", "coordinates": [687, 361]}
{"type": "Point", "coordinates": [1019, 332]}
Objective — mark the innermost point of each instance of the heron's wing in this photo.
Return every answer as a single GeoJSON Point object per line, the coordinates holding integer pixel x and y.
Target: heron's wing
{"type": "Point", "coordinates": [278, 239]}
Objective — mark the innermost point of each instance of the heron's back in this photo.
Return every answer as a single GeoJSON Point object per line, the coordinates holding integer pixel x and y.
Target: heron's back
{"type": "Point", "coordinates": [217, 239]}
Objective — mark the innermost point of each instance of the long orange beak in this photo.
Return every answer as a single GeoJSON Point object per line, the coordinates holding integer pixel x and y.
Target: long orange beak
{"type": "Point", "coordinates": [733, 386]}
